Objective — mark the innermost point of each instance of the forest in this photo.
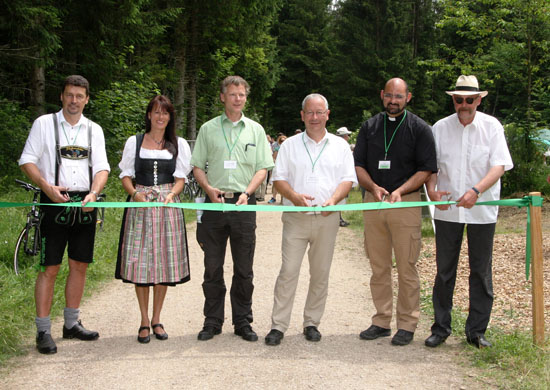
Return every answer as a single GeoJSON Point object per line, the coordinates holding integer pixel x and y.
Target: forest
{"type": "Point", "coordinates": [131, 50]}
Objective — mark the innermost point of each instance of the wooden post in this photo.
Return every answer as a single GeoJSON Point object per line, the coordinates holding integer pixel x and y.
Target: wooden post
{"type": "Point", "coordinates": [537, 273]}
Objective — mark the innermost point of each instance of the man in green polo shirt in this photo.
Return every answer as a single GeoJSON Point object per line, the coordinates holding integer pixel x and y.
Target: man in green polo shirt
{"type": "Point", "coordinates": [236, 152]}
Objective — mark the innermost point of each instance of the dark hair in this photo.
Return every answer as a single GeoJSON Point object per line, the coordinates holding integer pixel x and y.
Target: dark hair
{"type": "Point", "coordinates": [170, 138]}
{"type": "Point", "coordinates": [77, 81]}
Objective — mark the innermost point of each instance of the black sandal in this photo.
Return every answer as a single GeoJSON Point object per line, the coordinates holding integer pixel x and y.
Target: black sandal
{"type": "Point", "coordinates": [146, 339]}
{"type": "Point", "coordinates": [162, 336]}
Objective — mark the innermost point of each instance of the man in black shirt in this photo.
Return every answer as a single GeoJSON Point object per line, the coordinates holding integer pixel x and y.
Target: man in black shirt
{"type": "Point", "coordinates": [394, 156]}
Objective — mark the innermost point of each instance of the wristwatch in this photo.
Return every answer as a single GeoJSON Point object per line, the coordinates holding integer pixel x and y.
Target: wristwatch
{"type": "Point", "coordinates": [247, 195]}
{"type": "Point", "coordinates": [476, 191]}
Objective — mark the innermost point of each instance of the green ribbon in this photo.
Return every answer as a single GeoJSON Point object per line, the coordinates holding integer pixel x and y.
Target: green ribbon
{"type": "Point", "coordinates": [527, 201]}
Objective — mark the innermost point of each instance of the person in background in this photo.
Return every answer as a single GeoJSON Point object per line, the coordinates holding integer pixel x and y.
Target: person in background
{"type": "Point", "coordinates": [153, 241]}
{"type": "Point", "coordinates": [280, 140]}
{"type": "Point", "coordinates": [344, 133]}
{"type": "Point", "coordinates": [313, 168]}
{"type": "Point", "coordinates": [472, 155]}
{"type": "Point", "coordinates": [58, 158]}
{"type": "Point", "coordinates": [238, 157]}
{"type": "Point", "coordinates": [394, 156]}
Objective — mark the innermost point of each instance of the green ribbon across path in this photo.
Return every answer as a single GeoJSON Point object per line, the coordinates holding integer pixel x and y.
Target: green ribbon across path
{"type": "Point", "coordinates": [527, 201]}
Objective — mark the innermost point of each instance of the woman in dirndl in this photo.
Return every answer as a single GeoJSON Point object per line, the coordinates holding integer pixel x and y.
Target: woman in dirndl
{"type": "Point", "coordinates": [153, 240]}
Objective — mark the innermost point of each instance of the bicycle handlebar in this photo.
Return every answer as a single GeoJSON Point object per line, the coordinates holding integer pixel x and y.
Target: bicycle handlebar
{"type": "Point", "coordinates": [27, 186]}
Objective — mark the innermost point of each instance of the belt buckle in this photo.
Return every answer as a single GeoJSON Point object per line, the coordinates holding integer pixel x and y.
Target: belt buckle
{"type": "Point", "coordinates": [228, 195]}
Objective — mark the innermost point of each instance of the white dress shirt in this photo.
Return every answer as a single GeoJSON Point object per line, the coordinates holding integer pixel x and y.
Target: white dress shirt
{"type": "Point", "coordinates": [314, 168]}
{"type": "Point", "coordinates": [127, 164]}
{"type": "Point", "coordinates": [464, 156]}
{"type": "Point", "coordinates": [40, 150]}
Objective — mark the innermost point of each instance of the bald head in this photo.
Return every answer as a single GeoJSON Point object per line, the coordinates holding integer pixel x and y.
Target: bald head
{"type": "Point", "coordinates": [395, 96]}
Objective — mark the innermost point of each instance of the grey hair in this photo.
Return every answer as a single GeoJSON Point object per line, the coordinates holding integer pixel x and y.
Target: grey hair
{"type": "Point", "coordinates": [314, 95]}
{"type": "Point", "coordinates": [234, 80]}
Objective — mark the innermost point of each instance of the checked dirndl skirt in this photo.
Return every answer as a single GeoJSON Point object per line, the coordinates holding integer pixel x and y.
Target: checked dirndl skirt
{"type": "Point", "coordinates": [153, 242]}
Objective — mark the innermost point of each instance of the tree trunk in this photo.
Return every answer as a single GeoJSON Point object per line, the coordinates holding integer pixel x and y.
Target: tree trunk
{"type": "Point", "coordinates": [38, 88]}
{"type": "Point", "coordinates": [193, 76]}
{"type": "Point", "coordinates": [179, 93]}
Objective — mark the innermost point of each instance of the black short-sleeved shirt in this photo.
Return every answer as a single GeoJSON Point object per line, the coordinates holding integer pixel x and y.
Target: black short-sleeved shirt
{"type": "Point", "coordinates": [412, 149]}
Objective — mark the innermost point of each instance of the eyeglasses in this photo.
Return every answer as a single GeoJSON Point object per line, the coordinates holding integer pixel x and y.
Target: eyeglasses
{"type": "Point", "coordinates": [318, 113]}
{"type": "Point", "coordinates": [390, 96]}
{"type": "Point", "coordinates": [469, 100]}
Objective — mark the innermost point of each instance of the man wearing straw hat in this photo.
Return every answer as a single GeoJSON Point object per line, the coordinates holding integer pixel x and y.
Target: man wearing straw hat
{"type": "Point", "coordinates": [472, 155]}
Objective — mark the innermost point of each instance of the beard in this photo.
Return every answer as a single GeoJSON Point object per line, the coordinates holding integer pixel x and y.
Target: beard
{"type": "Point", "coordinates": [394, 109]}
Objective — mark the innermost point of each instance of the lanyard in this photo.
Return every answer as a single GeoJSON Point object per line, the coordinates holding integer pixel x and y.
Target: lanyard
{"type": "Point", "coordinates": [230, 148]}
{"type": "Point", "coordinates": [319, 155]}
{"type": "Point", "coordinates": [386, 145]}
{"type": "Point", "coordinates": [67, 138]}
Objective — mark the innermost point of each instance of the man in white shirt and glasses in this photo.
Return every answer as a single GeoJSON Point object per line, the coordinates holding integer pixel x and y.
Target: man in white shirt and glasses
{"type": "Point", "coordinates": [313, 168]}
{"type": "Point", "coordinates": [472, 155]}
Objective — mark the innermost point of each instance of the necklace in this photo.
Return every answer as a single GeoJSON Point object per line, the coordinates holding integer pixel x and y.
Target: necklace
{"type": "Point", "coordinates": [159, 143]}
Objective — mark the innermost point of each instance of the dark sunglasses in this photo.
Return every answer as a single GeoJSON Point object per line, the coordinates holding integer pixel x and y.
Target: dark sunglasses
{"type": "Point", "coordinates": [460, 100]}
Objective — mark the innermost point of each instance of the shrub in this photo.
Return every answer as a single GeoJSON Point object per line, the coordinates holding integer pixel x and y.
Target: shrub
{"type": "Point", "coordinates": [15, 128]}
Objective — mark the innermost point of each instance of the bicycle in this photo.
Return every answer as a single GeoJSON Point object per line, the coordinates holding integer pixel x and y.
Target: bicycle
{"type": "Point", "coordinates": [29, 240]}
{"type": "Point", "coordinates": [28, 243]}
{"type": "Point", "coordinates": [192, 189]}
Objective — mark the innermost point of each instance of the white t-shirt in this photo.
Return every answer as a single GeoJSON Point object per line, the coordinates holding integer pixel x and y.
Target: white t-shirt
{"type": "Point", "coordinates": [314, 168]}
{"type": "Point", "coordinates": [464, 156]}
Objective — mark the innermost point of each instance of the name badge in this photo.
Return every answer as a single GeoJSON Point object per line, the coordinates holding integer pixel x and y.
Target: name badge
{"type": "Point", "coordinates": [312, 179]}
{"type": "Point", "coordinates": [384, 164]}
{"type": "Point", "coordinates": [230, 164]}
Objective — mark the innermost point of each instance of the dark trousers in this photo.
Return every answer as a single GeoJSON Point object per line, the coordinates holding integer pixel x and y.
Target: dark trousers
{"type": "Point", "coordinates": [212, 235]}
{"type": "Point", "coordinates": [448, 240]}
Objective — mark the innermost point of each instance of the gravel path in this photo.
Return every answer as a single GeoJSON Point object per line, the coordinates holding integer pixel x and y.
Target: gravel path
{"type": "Point", "coordinates": [340, 360]}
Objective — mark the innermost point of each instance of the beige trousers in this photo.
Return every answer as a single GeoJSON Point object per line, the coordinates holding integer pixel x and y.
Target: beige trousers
{"type": "Point", "coordinates": [400, 230]}
{"type": "Point", "coordinates": [299, 231]}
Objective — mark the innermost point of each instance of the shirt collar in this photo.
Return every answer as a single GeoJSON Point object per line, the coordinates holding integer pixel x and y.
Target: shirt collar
{"type": "Point", "coordinates": [62, 119]}
{"type": "Point", "coordinates": [309, 139]}
{"type": "Point", "coordinates": [241, 120]}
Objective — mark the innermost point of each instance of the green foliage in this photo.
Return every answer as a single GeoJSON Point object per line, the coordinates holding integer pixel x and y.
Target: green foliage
{"type": "Point", "coordinates": [14, 131]}
{"type": "Point", "coordinates": [529, 172]}
{"type": "Point", "coordinates": [120, 111]}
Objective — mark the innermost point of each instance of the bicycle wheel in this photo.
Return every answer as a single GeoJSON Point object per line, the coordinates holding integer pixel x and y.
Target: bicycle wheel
{"type": "Point", "coordinates": [188, 192]}
{"type": "Point", "coordinates": [26, 248]}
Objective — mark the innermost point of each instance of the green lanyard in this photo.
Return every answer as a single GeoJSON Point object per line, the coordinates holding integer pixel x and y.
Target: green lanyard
{"type": "Point", "coordinates": [319, 155]}
{"type": "Point", "coordinates": [230, 148]}
{"type": "Point", "coordinates": [386, 145]}
{"type": "Point", "coordinates": [67, 138]}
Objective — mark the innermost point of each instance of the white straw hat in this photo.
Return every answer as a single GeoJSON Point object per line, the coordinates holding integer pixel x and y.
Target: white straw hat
{"type": "Point", "coordinates": [467, 85]}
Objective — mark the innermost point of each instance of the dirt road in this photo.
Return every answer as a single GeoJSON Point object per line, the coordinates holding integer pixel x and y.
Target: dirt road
{"type": "Point", "coordinates": [339, 361]}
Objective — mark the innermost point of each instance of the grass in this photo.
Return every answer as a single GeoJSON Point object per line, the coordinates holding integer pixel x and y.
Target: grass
{"type": "Point", "coordinates": [17, 309]}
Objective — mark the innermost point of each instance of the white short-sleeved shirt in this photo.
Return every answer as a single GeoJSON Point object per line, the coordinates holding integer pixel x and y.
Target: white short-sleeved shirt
{"type": "Point", "coordinates": [314, 168]}
{"type": "Point", "coordinates": [127, 164]}
{"type": "Point", "coordinates": [464, 156]}
{"type": "Point", "coordinates": [40, 150]}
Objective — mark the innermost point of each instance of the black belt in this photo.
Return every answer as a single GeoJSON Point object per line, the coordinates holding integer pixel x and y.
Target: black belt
{"type": "Point", "coordinates": [233, 197]}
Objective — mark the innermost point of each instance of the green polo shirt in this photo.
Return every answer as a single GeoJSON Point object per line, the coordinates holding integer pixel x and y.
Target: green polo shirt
{"type": "Point", "coordinates": [220, 140]}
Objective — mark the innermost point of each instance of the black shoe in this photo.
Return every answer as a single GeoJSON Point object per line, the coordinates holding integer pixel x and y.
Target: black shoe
{"type": "Point", "coordinates": [274, 337]}
{"type": "Point", "coordinates": [45, 343]}
{"type": "Point", "coordinates": [344, 223]}
{"type": "Point", "coordinates": [79, 332]}
{"type": "Point", "coordinates": [247, 333]}
{"type": "Point", "coordinates": [208, 332]}
{"type": "Point", "coordinates": [480, 342]}
{"type": "Point", "coordinates": [144, 339]}
{"type": "Point", "coordinates": [312, 334]}
{"type": "Point", "coordinates": [402, 337]}
{"type": "Point", "coordinates": [434, 340]}
{"type": "Point", "coordinates": [159, 336]}
{"type": "Point", "coordinates": [373, 332]}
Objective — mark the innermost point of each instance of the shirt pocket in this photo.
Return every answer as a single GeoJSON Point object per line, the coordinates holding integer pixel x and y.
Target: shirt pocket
{"type": "Point", "coordinates": [479, 155]}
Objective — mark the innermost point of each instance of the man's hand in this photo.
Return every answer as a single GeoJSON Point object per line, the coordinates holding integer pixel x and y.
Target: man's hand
{"type": "Point", "coordinates": [302, 200]}
{"type": "Point", "coordinates": [435, 196]}
{"type": "Point", "coordinates": [329, 202]}
{"type": "Point", "coordinates": [467, 200]}
{"type": "Point", "coordinates": [379, 192]}
{"type": "Point", "coordinates": [243, 199]}
{"type": "Point", "coordinates": [91, 197]}
{"type": "Point", "coordinates": [58, 194]}
{"type": "Point", "coordinates": [214, 194]}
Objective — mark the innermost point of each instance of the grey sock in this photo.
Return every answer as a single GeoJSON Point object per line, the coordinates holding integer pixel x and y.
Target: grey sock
{"type": "Point", "coordinates": [71, 317]}
{"type": "Point", "coordinates": [43, 324]}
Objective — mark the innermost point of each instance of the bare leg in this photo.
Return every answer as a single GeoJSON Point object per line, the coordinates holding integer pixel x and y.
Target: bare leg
{"type": "Point", "coordinates": [142, 293]}
{"type": "Point", "coordinates": [75, 283]}
{"type": "Point", "coordinates": [43, 290]}
{"type": "Point", "coordinates": [159, 292]}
